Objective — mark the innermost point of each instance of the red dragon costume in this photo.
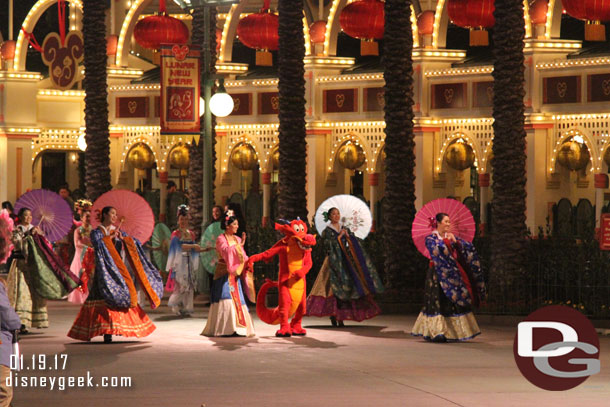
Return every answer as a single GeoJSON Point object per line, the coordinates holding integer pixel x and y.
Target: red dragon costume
{"type": "Point", "coordinates": [294, 251]}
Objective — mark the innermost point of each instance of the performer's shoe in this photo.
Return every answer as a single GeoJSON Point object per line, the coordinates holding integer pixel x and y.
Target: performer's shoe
{"type": "Point", "coordinates": [107, 338]}
{"type": "Point", "coordinates": [340, 323]}
{"type": "Point", "coordinates": [439, 339]}
{"type": "Point", "coordinates": [333, 321]}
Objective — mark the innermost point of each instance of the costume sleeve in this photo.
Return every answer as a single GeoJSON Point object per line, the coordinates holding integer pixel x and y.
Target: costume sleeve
{"type": "Point", "coordinates": [470, 255]}
{"type": "Point", "coordinates": [175, 249]}
{"type": "Point", "coordinates": [18, 238]}
{"type": "Point", "coordinates": [328, 237]}
{"type": "Point", "coordinates": [229, 253]}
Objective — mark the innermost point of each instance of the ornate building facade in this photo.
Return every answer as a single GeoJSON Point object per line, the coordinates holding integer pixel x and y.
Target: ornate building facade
{"type": "Point", "coordinates": [567, 116]}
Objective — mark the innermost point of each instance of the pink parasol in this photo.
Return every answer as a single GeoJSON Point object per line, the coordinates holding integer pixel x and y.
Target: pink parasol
{"type": "Point", "coordinates": [50, 212]}
{"type": "Point", "coordinates": [134, 215]}
{"type": "Point", "coordinates": [462, 222]}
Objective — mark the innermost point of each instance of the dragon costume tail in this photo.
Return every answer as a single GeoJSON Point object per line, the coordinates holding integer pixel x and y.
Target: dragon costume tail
{"type": "Point", "coordinates": [267, 315]}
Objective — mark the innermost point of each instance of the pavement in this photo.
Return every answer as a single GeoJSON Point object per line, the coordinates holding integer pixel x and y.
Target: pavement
{"type": "Point", "coordinates": [373, 363]}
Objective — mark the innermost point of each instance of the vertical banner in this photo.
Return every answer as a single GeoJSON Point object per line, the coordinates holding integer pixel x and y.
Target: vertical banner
{"type": "Point", "coordinates": [180, 79]}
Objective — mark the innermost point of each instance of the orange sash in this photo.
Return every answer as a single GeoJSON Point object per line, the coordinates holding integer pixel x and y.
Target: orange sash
{"type": "Point", "coordinates": [122, 269]}
{"type": "Point", "coordinates": [136, 266]}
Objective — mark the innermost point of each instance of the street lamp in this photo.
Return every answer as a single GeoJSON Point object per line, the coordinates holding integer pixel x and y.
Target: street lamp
{"type": "Point", "coordinates": [207, 80]}
{"type": "Point", "coordinates": [221, 103]}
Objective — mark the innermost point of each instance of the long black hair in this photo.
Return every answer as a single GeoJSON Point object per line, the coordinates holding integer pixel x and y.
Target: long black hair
{"type": "Point", "coordinates": [440, 216]}
{"type": "Point", "coordinates": [227, 218]}
{"type": "Point", "coordinates": [105, 211]}
{"type": "Point", "coordinates": [21, 213]}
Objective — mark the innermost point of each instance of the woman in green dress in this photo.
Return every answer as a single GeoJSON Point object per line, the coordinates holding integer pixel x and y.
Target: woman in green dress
{"type": "Point", "coordinates": [347, 281]}
{"type": "Point", "coordinates": [31, 308]}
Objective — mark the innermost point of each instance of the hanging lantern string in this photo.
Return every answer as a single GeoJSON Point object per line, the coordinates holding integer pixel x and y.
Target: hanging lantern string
{"type": "Point", "coordinates": [61, 17]}
{"type": "Point", "coordinates": [162, 7]}
{"type": "Point", "coordinates": [32, 40]}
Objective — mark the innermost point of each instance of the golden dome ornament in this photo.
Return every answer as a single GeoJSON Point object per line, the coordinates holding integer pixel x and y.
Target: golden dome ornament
{"type": "Point", "coordinates": [141, 157]}
{"type": "Point", "coordinates": [351, 156]}
{"type": "Point", "coordinates": [459, 155]}
{"type": "Point", "coordinates": [573, 155]}
{"type": "Point", "coordinates": [179, 157]}
{"type": "Point", "coordinates": [244, 157]}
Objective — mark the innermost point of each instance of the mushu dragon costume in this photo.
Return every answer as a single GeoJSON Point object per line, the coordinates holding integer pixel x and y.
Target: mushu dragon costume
{"type": "Point", "coordinates": [294, 251]}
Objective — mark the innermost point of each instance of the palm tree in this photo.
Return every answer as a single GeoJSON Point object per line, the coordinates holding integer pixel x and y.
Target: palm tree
{"type": "Point", "coordinates": [400, 253]}
{"type": "Point", "coordinates": [196, 150]}
{"type": "Point", "coordinates": [292, 199]}
{"type": "Point", "coordinates": [97, 135]}
{"type": "Point", "coordinates": [508, 162]}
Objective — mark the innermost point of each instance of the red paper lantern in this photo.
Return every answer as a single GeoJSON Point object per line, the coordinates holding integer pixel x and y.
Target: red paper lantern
{"type": "Point", "coordinates": [259, 31]}
{"type": "Point", "coordinates": [317, 32]}
{"type": "Point", "coordinates": [538, 10]}
{"type": "Point", "coordinates": [477, 15]}
{"type": "Point", "coordinates": [111, 45]}
{"type": "Point", "coordinates": [152, 31]}
{"type": "Point", "coordinates": [365, 20]}
{"type": "Point", "coordinates": [218, 39]}
{"type": "Point", "coordinates": [8, 50]}
{"type": "Point", "coordinates": [425, 23]}
{"type": "Point", "coordinates": [594, 12]}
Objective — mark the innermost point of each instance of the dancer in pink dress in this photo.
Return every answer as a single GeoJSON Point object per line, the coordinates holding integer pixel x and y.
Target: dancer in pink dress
{"type": "Point", "coordinates": [83, 263]}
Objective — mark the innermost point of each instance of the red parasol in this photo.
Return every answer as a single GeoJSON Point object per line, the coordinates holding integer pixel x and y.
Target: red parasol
{"type": "Point", "coordinates": [133, 213]}
{"type": "Point", "coordinates": [462, 222]}
{"type": "Point", "coordinates": [50, 212]}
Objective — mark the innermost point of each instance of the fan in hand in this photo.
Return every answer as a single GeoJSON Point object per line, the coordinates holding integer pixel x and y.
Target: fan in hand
{"type": "Point", "coordinates": [160, 241]}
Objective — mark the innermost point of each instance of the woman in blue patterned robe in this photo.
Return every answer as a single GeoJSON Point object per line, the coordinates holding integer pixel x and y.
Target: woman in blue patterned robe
{"type": "Point", "coordinates": [121, 267]}
{"type": "Point", "coordinates": [454, 285]}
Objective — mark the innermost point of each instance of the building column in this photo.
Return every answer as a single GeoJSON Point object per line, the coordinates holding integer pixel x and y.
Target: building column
{"type": "Point", "coordinates": [3, 168]}
{"type": "Point", "coordinates": [373, 184]}
{"type": "Point", "coordinates": [484, 200]}
{"type": "Point", "coordinates": [163, 178]}
{"type": "Point", "coordinates": [601, 183]}
{"type": "Point", "coordinates": [266, 176]}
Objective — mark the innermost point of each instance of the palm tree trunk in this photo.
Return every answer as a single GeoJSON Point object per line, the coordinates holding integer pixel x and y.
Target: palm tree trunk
{"type": "Point", "coordinates": [196, 150]}
{"type": "Point", "coordinates": [292, 200]}
{"type": "Point", "coordinates": [399, 211]}
{"type": "Point", "coordinates": [509, 157]}
{"type": "Point", "coordinates": [96, 99]}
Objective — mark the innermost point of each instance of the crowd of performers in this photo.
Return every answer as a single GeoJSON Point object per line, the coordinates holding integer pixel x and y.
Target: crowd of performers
{"type": "Point", "coordinates": [111, 275]}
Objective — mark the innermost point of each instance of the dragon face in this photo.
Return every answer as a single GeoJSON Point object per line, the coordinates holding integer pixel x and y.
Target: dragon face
{"type": "Point", "coordinates": [296, 231]}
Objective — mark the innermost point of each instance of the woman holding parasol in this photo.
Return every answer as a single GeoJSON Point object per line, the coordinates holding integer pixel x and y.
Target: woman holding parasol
{"type": "Point", "coordinates": [454, 283]}
{"type": "Point", "coordinates": [112, 305]}
{"type": "Point", "coordinates": [31, 307]}
{"type": "Point", "coordinates": [347, 280]}
{"type": "Point", "coordinates": [37, 273]}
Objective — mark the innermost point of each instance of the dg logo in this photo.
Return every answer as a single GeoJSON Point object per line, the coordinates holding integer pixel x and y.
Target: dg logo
{"type": "Point", "coordinates": [556, 348]}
